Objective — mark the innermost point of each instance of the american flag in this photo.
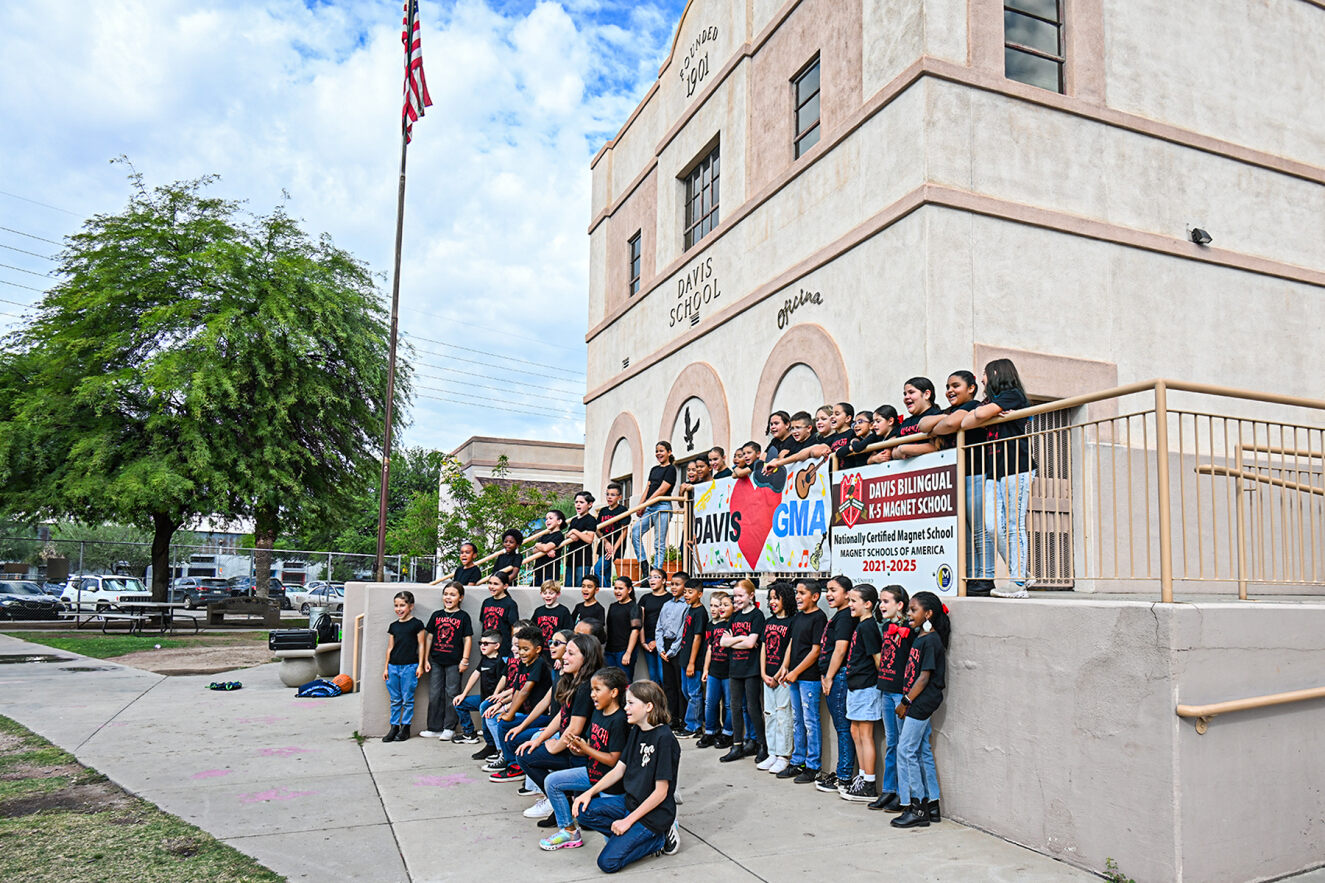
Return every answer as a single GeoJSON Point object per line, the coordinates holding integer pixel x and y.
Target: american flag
{"type": "Point", "coordinates": [416, 87]}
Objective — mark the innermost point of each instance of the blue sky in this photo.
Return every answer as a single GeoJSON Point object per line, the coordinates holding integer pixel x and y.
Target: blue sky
{"type": "Point", "coordinates": [304, 96]}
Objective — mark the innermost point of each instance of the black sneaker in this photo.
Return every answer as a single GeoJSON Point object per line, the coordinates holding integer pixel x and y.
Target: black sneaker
{"type": "Point", "coordinates": [484, 753]}
{"type": "Point", "coordinates": [673, 842]}
{"type": "Point", "coordinates": [724, 740]}
{"type": "Point", "coordinates": [827, 783]}
{"type": "Point", "coordinates": [706, 741]}
{"type": "Point", "coordinates": [549, 822]}
{"type": "Point", "coordinates": [792, 771]}
{"type": "Point", "coordinates": [860, 791]}
{"type": "Point", "coordinates": [807, 777]}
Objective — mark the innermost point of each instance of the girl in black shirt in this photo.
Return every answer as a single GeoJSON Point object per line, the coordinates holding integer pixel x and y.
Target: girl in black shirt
{"type": "Point", "coordinates": [510, 559]}
{"type": "Point", "coordinates": [897, 637]}
{"type": "Point", "coordinates": [405, 643]}
{"type": "Point", "coordinates": [885, 427]}
{"type": "Point", "coordinates": [862, 434]}
{"type": "Point", "coordinates": [864, 703]}
{"type": "Point", "coordinates": [650, 605]}
{"type": "Point", "coordinates": [662, 481]}
{"type": "Point", "coordinates": [774, 649]}
{"type": "Point", "coordinates": [747, 628]}
{"type": "Point", "coordinates": [918, 396]}
{"type": "Point", "coordinates": [925, 678]}
{"type": "Point", "coordinates": [547, 564]}
{"type": "Point", "coordinates": [961, 390]}
{"type": "Point", "coordinates": [623, 626]}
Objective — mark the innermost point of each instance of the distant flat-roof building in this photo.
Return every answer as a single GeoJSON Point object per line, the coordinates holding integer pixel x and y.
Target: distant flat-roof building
{"type": "Point", "coordinates": [819, 199]}
{"type": "Point", "coordinates": [554, 467]}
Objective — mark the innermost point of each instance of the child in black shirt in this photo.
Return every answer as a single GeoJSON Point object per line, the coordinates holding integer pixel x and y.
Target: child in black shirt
{"type": "Point", "coordinates": [925, 678]}
{"type": "Point", "coordinates": [897, 637]}
{"type": "Point", "coordinates": [589, 608]}
{"type": "Point", "coordinates": [642, 821]}
{"type": "Point", "coordinates": [747, 628]}
{"type": "Point", "coordinates": [918, 397]}
{"type": "Point", "coordinates": [650, 605]}
{"type": "Point", "coordinates": [691, 658]}
{"type": "Point", "coordinates": [622, 628]}
{"type": "Point", "coordinates": [833, 649]}
{"type": "Point", "coordinates": [499, 612]}
{"type": "Point", "coordinates": [552, 617]}
{"type": "Point", "coordinates": [717, 675]}
{"type": "Point", "coordinates": [488, 674]}
{"type": "Point", "coordinates": [405, 642]}
{"type": "Point", "coordinates": [547, 563]}
{"type": "Point", "coordinates": [468, 573]}
{"type": "Point", "coordinates": [510, 559]}
{"type": "Point", "coordinates": [800, 672]}
{"type": "Point", "coordinates": [777, 695]}
{"type": "Point", "coordinates": [450, 640]}
{"type": "Point", "coordinates": [582, 532]}
{"type": "Point", "coordinates": [864, 704]}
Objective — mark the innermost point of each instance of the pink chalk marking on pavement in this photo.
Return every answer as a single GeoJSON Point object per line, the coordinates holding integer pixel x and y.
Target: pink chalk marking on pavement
{"type": "Point", "coordinates": [117, 724]}
{"type": "Point", "coordinates": [210, 774]}
{"type": "Point", "coordinates": [266, 719]}
{"type": "Point", "coordinates": [443, 781]}
{"type": "Point", "coordinates": [274, 794]}
{"type": "Point", "coordinates": [287, 751]}
{"type": "Point", "coordinates": [308, 703]}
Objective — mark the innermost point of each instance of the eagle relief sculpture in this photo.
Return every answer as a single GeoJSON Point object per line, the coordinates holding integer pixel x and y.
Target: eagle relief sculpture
{"type": "Point", "coordinates": [690, 430]}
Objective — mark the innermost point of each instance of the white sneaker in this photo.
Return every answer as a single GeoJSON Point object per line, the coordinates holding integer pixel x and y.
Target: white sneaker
{"type": "Point", "coordinates": [429, 734]}
{"type": "Point", "coordinates": [766, 763]}
{"type": "Point", "coordinates": [779, 765]}
{"type": "Point", "coordinates": [447, 735]}
{"type": "Point", "coordinates": [539, 810]}
{"type": "Point", "coordinates": [1012, 591]}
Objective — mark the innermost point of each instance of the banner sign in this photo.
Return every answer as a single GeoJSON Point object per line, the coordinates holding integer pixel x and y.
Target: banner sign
{"type": "Point", "coordinates": [896, 523]}
{"type": "Point", "coordinates": [774, 523]}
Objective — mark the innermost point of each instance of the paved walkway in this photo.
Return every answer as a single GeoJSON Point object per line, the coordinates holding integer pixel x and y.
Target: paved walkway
{"type": "Point", "coordinates": [283, 780]}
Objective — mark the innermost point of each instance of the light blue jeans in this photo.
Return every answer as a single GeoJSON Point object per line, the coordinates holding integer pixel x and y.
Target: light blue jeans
{"type": "Point", "coordinates": [777, 720]}
{"type": "Point", "coordinates": [401, 682]}
{"type": "Point", "coordinates": [693, 687]}
{"type": "Point", "coordinates": [1004, 497]}
{"type": "Point", "coordinates": [979, 541]}
{"type": "Point", "coordinates": [918, 779]}
{"type": "Point", "coordinates": [805, 696]}
{"type": "Point", "coordinates": [560, 786]}
{"type": "Point", "coordinates": [892, 728]}
{"type": "Point", "coordinates": [654, 518]}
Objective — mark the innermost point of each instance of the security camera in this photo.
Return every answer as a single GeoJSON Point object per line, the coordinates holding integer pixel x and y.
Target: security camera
{"type": "Point", "coordinates": [1199, 236]}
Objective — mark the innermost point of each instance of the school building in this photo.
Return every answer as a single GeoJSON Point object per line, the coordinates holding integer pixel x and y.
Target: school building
{"type": "Point", "coordinates": [820, 198]}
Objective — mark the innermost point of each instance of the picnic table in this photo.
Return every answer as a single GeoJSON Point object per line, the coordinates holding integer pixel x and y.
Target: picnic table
{"type": "Point", "coordinates": [139, 615]}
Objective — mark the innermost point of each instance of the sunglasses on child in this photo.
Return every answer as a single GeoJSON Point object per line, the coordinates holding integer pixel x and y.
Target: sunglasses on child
{"type": "Point", "coordinates": [557, 643]}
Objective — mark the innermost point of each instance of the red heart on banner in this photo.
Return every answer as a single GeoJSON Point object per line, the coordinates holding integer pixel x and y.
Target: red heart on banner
{"type": "Point", "coordinates": [756, 502]}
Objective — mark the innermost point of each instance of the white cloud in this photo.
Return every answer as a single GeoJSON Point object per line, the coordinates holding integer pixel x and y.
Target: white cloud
{"type": "Point", "coordinates": [305, 97]}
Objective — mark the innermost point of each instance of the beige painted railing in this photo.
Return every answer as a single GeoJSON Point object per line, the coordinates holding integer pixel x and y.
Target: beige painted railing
{"type": "Point", "coordinates": [1204, 713]}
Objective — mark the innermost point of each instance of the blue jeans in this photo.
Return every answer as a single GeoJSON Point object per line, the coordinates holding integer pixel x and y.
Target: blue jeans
{"type": "Point", "coordinates": [401, 682]}
{"type": "Point", "coordinates": [540, 764]}
{"type": "Point", "coordinates": [500, 728]}
{"type": "Point", "coordinates": [805, 695]}
{"type": "Point", "coordinates": [465, 710]}
{"type": "Point", "coordinates": [637, 843]}
{"type": "Point", "coordinates": [979, 541]}
{"type": "Point", "coordinates": [1006, 499]}
{"type": "Point", "coordinates": [602, 568]}
{"type": "Point", "coordinates": [654, 518]}
{"type": "Point", "coordinates": [693, 686]}
{"type": "Point", "coordinates": [891, 727]}
{"type": "Point", "coordinates": [837, 707]}
{"type": "Point", "coordinates": [615, 659]}
{"type": "Point", "coordinates": [717, 690]}
{"type": "Point", "coordinates": [918, 778]}
{"type": "Point", "coordinates": [560, 786]}
{"type": "Point", "coordinates": [653, 662]}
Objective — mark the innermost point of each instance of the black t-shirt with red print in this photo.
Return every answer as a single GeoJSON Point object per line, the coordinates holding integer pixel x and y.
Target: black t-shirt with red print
{"type": "Point", "coordinates": [696, 619]}
{"type": "Point", "coordinates": [862, 673]}
{"type": "Point", "coordinates": [539, 673]}
{"type": "Point", "coordinates": [551, 620]}
{"type": "Point", "coordinates": [448, 632]}
{"type": "Point", "coordinates": [547, 567]}
{"type": "Point", "coordinates": [500, 614]}
{"type": "Point", "coordinates": [578, 704]}
{"type": "Point", "coordinates": [719, 656]}
{"type": "Point", "coordinates": [745, 663]}
{"type": "Point", "coordinates": [613, 531]}
{"type": "Point", "coordinates": [910, 426]}
{"type": "Point", "coordinates": [927, 654]}
{"type": "Point", "coordinates": [839, 628]}
{"type": "Point", "coordinates": [606, 732]}
{"type": "Point", "coordinates": [776, 640]}
{"type": "Point", "coordinates": [897, 638]}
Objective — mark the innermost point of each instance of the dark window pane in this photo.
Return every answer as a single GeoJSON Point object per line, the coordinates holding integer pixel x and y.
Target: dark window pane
{"type": "Point", "coordinates": [808, 140]}
{"type": "Point", "coordinates": [808, 115]}
{"type": "Point", "coordinates": [1030, 32]}
{"type": "Point", "coordinates": [1043, 8]}
{"type": "Point", "coordinates": [808, 84]}
{"type": "Point", "coordinates": [1033, 70]}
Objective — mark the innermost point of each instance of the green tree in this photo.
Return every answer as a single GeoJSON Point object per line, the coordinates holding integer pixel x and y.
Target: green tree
{"type": "Point", "coordinates": [480, 513]}
{"type": "Point", "coordinates": [193, 362]}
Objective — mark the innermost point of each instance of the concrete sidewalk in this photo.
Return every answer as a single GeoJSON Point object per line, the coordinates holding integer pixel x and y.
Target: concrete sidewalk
{"type": "Point", "coordinates": [282, 780]}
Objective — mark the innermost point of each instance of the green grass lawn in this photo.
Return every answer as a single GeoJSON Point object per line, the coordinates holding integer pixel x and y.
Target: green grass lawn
{"type": "Point", "coordinates": [101, 646]}
{"type": "Point", "coordinates": [61, 821]}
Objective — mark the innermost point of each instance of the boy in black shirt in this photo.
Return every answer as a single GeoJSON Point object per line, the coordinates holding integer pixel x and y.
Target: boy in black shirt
{"type": "Point", "coordinates": [691, 658]}
{"type": "Point", "coordinates": [800, 671]}
{"type": "Point", "coordinates": [532, 681]}
{"type": "Point", "coordinates": [450, 640]}
{"type": "Point", "coordinates": [468, 573]}
{"type": "Point", "coordinates": [547, 564]}
{"type": "Point", "coordinates": [552, 617]}
{"type": "Point", "coordinates": [641, 822]}
{"type": "Point", "coordinates": [650, 605]}
{"type": "Point", "coordinates": [499, 612]}
{"type": "Point", "coordinates": [510, 558]}
{"type": "Point", "coordinates": [582, 532]}
{"type": "Point", "coordinates": [613, 535]}
{"type": "Point", "coordinates": [488, 674]}
{"type": "Point", "coordinates": [833, 678]}
{"type": "Point", "coordinates": [589, 608]}
{"type": "Point", "coordinates": [779, 431]}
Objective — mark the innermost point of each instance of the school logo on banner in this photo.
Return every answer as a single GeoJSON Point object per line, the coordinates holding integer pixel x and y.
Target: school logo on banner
{"type": "Point", "coordinates": [852, 493]}
{"type": "Point", "coordinates": [766, 523]}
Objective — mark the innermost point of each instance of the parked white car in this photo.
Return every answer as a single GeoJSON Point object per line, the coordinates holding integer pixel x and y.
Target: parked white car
{"type": "Point", "coordinates": [322, 594]}
{"type": "Point", "coordinates": [103, 592]}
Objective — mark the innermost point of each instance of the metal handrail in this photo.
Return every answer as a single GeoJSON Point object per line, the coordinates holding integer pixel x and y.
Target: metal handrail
{"type": "Point", "coordinates": [1203, 713]}
{"type": "Point", "coordinates": [639, 507]}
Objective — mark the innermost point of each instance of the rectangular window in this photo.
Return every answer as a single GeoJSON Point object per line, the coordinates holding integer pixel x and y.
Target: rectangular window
{"type": "Point", "coordinates": [635, 262]}
{"type": "Point", "coordinates": [1033, 42]}
{"type": "Point", "coordinates": [806, 86]}
{"type": "Point", "coordinates": [702, 199]}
